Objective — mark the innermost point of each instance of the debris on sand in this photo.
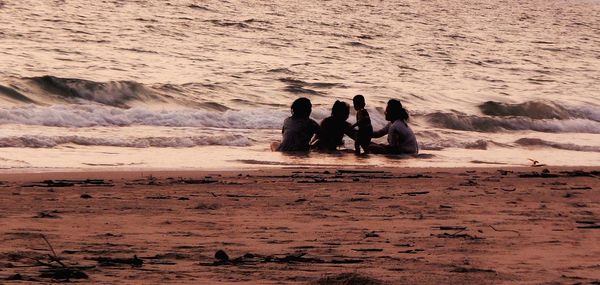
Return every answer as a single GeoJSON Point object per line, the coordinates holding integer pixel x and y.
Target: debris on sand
{"type": "Point", "coordinates": [63, 273]}
{"type": "Point", "coordinates": [464, 236]}
{"type": "Point", "coordinates": [85, 196]}
{"type": "Point", "coordinates": [415, 193]}
{"type": "Point", "coordinates": [18, 277]}
{"type": "Point", "coordinates": [348, 279]}
{"type": "Point", "coordinates": [196, 181]}
{"type": "Point", "coordinates": [581, 173]}
{"type": "Point", "coordinates": [109, 261]}
{"type": "Point", "coordinates": [47, 215]}
{"type": "Point", "coordinates": [589, 227]}
{"type": "Point", "coordinates": [347, 171]}
{"type": "Point", "coordinates": [55, 268]}
{"type": "Point", "coordinates": [544, 174]}
{"type": "Point", "coordinates": [460, 269]}
{"type": "Point", "coordinates": [249, 258]}
{"type": "Point", "coordinates": [368, 249]}
{"type": "Point", "coordinates": [71, 183]}
{"type": "Point", "coordinates": [450, 228]}
{"type": "Point", "coordinates": [221, 256]}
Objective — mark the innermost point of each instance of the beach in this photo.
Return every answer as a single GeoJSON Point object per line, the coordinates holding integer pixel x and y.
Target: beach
{"type": "Point", "coordinates": [301, 225]}
{"type": "Point", "coordinates": [135, 142]}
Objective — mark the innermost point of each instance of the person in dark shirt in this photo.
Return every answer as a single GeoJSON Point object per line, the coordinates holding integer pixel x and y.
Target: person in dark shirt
{"type": "Point", "coordinates": [363, 122]}
{"type": "Point", "coordinates": [334, 127]}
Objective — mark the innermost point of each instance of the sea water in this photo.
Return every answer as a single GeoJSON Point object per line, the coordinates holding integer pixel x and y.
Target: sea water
{"type": "Point", "coordinates": [207, 84]}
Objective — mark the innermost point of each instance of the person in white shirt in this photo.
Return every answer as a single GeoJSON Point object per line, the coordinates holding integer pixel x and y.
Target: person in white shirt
{"type": "Point", "coordinates": [400, 137]}
{"type": "Point", "coordinates": [298, 129]}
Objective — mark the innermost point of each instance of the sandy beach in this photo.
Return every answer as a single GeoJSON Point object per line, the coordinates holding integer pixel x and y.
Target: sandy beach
{"type": "Point", "coordinates": [303, 226]}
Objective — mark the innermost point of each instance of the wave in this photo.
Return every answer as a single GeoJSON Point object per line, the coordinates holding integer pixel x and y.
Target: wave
{"type": "Point", "coordinates": [52, 90]}
{"type": "Point", "coordinates": [90, 115]}
{"type": "Point", "coordinates": [37, 141]}
{"type": "Point", "coordinates": [95, 115]}
{"type": "Point", "coordinates": [450, 143]}
{"type": "Point", "coordinates": [15, 95]}
{"type": "Point", "coordinates": [112, 93]}
{"type": "Point", "coordinates": [564, 146]}
{"type": "Point", "coordinates": [497, 124]}
{"type": "Point", "coordinates": [530, 109]}
{"type": "Point", "coordinates": [539, 110]}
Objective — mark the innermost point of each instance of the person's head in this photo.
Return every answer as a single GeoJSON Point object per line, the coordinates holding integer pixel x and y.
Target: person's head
{"type": "Point", "coordinates": [340, 110]}
{"type": "Point", "coordinates": [394, 111]}
{"type": "Point", "coordinates": [301, 108]}
{"type": "Point", "coordinates": [359, 102]}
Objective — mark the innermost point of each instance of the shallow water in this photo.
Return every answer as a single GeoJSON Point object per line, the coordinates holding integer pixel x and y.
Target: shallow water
{"type": "Point", "coordinates": [491, 82]}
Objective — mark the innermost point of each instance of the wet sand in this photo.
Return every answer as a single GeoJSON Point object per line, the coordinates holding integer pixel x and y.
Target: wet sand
{"type": "Point", "coordinates": [299, 225]}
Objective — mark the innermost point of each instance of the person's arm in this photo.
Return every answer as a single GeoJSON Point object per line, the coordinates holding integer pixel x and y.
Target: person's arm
{"type": "Point", "coordinates": [350, 132]}
{"type": "Point", "coordinates": [382, 132]}
{"type": "Point", "coordinates": [316, 131]}
{"type": "Point", "coordinates": [360, 118]}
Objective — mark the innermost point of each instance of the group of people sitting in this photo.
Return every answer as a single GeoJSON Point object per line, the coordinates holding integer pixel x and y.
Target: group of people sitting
{"type": "Point", "coordinates": [301, 133]}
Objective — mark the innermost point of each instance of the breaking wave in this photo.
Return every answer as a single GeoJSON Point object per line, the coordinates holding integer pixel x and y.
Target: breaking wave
{"type": "Point", "coordinates": [531, 109]}
{"type": "Point", "coordinates": [37, 141]}
{"type": "Point", "coordinates": [95, 115]}
{"type": "Point", "coordinates": [564, 146]}
{"type": "Point", "coordinates": [113, 93]}
{"type": "Point", "coordinates": [539, 110]}
{"type": "Point", "coordinates": [497, 124]}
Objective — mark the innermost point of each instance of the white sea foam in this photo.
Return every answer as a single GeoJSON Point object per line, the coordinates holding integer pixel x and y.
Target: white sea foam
{"type": "Point", "coordinates": [98, 115]}
{"type": "Point", "coordinates": [92, 115]}
{"type": "Point", "coordinates": [39, 141]}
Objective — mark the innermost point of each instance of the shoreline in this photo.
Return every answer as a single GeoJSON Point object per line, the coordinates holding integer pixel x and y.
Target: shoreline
{"type": "Point", "coordinates": [129, 173]}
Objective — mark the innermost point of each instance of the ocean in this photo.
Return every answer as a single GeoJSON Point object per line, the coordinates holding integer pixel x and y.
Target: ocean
{"type": "Point", "coordinates": [127, 84]}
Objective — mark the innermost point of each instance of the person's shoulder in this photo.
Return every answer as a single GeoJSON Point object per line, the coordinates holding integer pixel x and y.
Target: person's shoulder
{"type": "Point", "coordinates": [313, 122]}
{"type": "Point", "coordinates": [400, 125]}
{"type": "Point", "coordinates": [328, 122]}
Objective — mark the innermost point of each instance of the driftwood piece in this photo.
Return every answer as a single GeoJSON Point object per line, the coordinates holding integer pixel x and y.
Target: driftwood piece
{"type": "Point", "coordinates": [498, 230]}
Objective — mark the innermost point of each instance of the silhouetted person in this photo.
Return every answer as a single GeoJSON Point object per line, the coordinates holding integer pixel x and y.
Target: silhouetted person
{"type": "Point", "coordinates": [299, 128]}
{"type": "Point", "coordinates": [363, 121]}
{"type": "Point", "coordinates": [401, 139]}
{"type": "Point", "coordinates": [334, 127]}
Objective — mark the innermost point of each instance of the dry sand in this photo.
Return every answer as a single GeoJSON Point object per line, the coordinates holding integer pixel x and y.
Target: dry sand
{"type": "Point", "coordinates": [294, 226]}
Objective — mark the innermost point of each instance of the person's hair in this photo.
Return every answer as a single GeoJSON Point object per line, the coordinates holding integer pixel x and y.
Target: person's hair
{"type": "Point", "coordinates": [359, 101]}
{"type": "Point", "coordinates": [395, 111]}
{"type": "Point", "coordinates": [340, 110]}
{"type": "Point", "coordinates": [301, 108]}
